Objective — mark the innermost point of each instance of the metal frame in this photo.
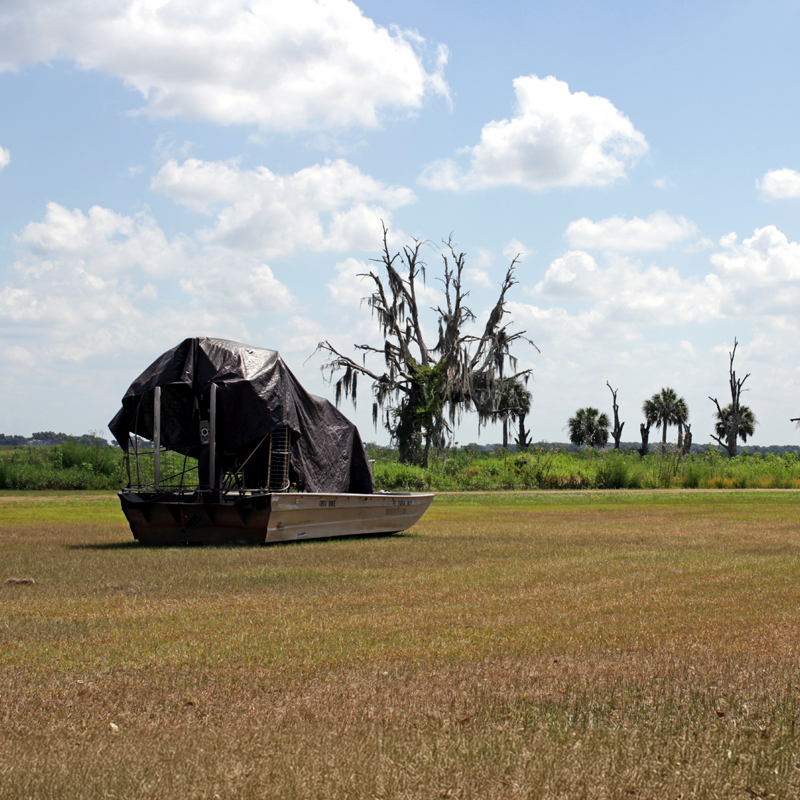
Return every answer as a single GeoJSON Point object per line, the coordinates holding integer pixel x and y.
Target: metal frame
{"type": "Point", "coordinates": [279, 446]}
{"type": "Point", "coordinates": [157, 438]}
{"type": "Point", "coordinates": [212, 438]}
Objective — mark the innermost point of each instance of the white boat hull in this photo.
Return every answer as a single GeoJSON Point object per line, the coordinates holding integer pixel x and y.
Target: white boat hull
{"type": "Point", "coordinates": [320, 516]}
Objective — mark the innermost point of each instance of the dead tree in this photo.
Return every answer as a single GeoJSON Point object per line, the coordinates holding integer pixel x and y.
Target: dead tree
{"type": "Point", "coordinates": [616, 432]}
{"type": "Point", "coordinates": [731, 420]}
{"type": "Point", "coordinates": [644, 432]}
{"type": "Point", "coordinates": [687, 439]}
{"type": "Point", "coordinates": [523, 439]}
{"type": "Point", "coordinates": [423, 390]}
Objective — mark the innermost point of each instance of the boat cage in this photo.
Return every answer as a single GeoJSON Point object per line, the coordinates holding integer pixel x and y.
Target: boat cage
{"type": "Point", "coordinates": [184, 446]}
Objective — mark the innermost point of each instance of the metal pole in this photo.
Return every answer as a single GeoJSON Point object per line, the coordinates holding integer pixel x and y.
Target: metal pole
{"type": "Point", "coordinates": [157, 438]}
{"type": "Point", "coordinates": [212, 438]}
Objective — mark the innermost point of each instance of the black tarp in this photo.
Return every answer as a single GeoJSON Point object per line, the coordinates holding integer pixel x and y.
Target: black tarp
{"type": "Point", "coordinates": [256, 395]}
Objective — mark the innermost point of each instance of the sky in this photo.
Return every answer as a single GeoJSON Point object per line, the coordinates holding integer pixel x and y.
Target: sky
{"type": "Point", "coordinates": [172, 168]}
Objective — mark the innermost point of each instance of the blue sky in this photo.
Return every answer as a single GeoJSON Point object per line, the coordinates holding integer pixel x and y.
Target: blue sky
{"type": "Point", "coordinates": [185, 169]}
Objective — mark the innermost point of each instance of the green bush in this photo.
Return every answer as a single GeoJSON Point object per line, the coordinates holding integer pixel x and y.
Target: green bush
{"type": "Point", "coordinates": [66, 466]}
{"type": "Point", "coordinates": [612, 473]}
{"type": "Point", "coordinates": [395, 477]}
{"type": "Point", "coordinates": [100, 458]}
{"type": "Point", "coordinates": [544, 468]}
{"type": "Point", "coordinates": [695, 475]}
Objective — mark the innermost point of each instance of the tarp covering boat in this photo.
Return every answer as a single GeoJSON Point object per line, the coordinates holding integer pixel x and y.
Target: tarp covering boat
{"type": "Point", "coordinates": [256, 395]}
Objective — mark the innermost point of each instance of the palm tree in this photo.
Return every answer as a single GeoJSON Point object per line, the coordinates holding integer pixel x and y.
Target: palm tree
{"type": "Point", "coordinates": [523, 400]}
{"type": "Point", "coordinates": [514, 402]}
{"type": "Point", "coordinates": [747, 422]}
{"type": "Point", "coordinates": [589, 427]}
{"type": "Point", "coordinates": [665, 408]}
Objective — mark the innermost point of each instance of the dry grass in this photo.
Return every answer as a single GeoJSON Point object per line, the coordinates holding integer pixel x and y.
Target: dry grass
{"type": "Point", "coordinates": [528, 646]}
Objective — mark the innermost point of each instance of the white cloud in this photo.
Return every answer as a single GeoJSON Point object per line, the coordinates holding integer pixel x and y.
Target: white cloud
{"type": "Point", "coordinates": [482, 257]}
{"type": "Point", "coordinates": [307, 64]}
{"type": "Point", "coordinates": [110, 243]}
{"type": "Point", "coordinates": [662, 183]}
{"type": "Point", "coordinates": [553, 327]}
{"type": "Point", "coordinates": [166, 148]}
{"type": "Point", "coordinates": [657, 232]}
{"type": "Point", "coordinates": [583, 304]}
{"type": "Point", "coordinates": [326, 207]}
{"type": "Point", "coordinates": [515, 249]}
{"type": "Point", "coordinates": [69, 314]}
{"type": "Point", "coordinates": [349, 286]}
{"type": "Point", "coordinates": [299, 336]}
{"type": "Point", "coordinates": [478, 277]}
{"type": "Point", "coordinates": [779, 184]}
{"type": "Point", "coordinates": [762, 274]}
{"type": "Point", "coordinates": [569, 276]}
{"type": "Point", "coordinates": [86, 285]}
{"type": "Point", "coordinates": [556, 139]}
{"type": "Point", "coordinates": [149, 292]}
{"type": "Point", "coordinates": [241, 288]}
{"type": "Point", "coordinates": [18, 354]}
{"type": "Point", "coordinates": [627, 292]}
{"type": "Point", "coordinates": [5, 158]}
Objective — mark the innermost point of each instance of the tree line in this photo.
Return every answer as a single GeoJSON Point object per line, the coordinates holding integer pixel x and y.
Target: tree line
{"type": "Point", "coordinates": [589, 427]}
{"type": "Point", "coordinates": [427, 380]}
{"type": "Point", "coordinates": [665, 408]}
{"type": "Point", "coordinates": [51, 438]}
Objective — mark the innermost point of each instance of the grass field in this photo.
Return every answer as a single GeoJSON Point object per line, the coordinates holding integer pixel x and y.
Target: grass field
{"type": "Point", "coordinates": [561, 645]}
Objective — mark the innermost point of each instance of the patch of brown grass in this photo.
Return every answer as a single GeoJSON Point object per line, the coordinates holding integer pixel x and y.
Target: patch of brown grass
{"type": "Point", "coordinates": [522, 647]}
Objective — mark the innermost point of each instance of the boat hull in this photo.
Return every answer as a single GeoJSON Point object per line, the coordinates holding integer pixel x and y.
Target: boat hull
{"type": "Point", "coordinates": [158, 519]}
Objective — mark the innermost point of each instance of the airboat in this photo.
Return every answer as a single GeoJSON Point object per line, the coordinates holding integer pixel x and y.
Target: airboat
{"type": "Point", "coordinates": [222, 445]}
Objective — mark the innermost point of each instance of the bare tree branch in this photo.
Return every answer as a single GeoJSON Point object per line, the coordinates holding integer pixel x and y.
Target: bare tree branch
{"type": "Point", "coordinates": [617, 431]}
{"type": "Point", "coordinates": [732, 419]}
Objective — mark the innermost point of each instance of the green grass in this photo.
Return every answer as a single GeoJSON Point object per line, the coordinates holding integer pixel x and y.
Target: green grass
{"type": "Point", "coordinates": [34, 508]}
{"type": "Point", "coordinates": [580, 644]}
